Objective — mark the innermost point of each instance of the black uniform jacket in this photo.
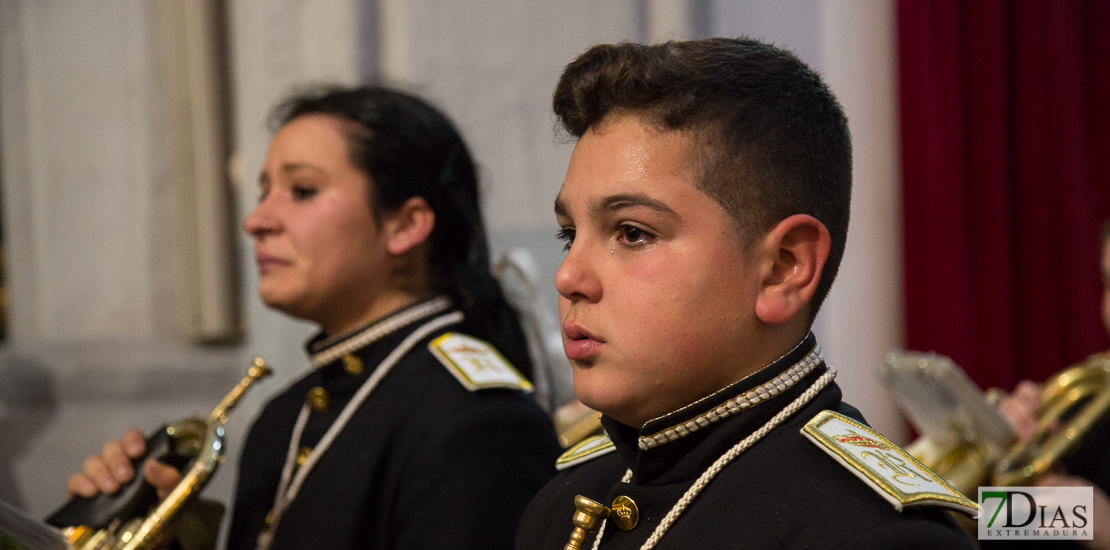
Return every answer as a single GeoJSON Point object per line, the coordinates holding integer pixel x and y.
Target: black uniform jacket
{"type": "Point", "coordinates": [783, 492]}
{"type": "Point", "coordinates": [424, 463]}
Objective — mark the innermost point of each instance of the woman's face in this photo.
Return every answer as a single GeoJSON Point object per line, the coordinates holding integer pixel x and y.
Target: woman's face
{"type": "Point", "coordinates": [320, 252]}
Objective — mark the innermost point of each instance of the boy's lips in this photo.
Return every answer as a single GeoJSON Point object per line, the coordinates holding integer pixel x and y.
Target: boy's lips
{"type": "Point", "coordinates": [580, 343]}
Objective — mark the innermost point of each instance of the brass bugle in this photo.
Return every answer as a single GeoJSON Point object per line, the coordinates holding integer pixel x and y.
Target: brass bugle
{"type": "Point", "coordinates": [122, 521]}
{"type": "Point", "coordinates": [588, 515]}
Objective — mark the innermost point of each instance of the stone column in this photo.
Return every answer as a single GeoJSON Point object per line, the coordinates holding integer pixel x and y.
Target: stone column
{"type": "Point", "coordinates": [95, 340]}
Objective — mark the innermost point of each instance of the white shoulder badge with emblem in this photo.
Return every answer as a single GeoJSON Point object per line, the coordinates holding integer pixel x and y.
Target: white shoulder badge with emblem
{"type": "Point", "coordinates": [586, 450]}
{"type": "Point", "coordinates": [476, 364]}
{"type": "Point", "coordinates": [890, 471]}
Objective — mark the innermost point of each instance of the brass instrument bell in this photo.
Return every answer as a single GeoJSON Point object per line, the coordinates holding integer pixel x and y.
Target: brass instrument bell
{"type": "Point", "coordinates": [967, 442]}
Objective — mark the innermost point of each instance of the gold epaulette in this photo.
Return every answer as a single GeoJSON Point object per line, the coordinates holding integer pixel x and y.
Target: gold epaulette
{"type": "Point", "coordinates": [893, 473]}
{"type": "Point", "coordinates": [589, 449]}
{"type": "Point", "coordinates": [476, 364]}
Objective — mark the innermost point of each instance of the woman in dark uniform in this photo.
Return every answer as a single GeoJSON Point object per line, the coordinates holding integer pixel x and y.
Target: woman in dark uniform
{"type": "Point", "coordinates": [415, 429]}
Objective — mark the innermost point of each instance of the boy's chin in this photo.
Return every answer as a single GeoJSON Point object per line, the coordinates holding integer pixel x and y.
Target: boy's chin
{"type": "Point", "coordinates": [592, 398]}
{"type": "Point", "coordinates": [609, 405]}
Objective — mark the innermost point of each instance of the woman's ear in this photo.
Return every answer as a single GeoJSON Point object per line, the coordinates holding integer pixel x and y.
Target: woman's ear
{"type": "Point", "coordinates": [409, 226]}
{"type": "Point", "coordinates": [797, 247]}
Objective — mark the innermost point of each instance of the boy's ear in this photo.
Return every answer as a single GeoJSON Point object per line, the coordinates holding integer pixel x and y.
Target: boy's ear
{"type": "Point", "coordinates": [795, 250]}
{"type": "Point", "coordinates": [409, 226]}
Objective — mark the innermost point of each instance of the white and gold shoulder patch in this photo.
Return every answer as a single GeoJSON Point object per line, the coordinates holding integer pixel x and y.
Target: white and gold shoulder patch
{"type": "Point", "coordinates": [476, 364]}
{"type": "Point", "coordinates": [588, 449]}
{"type": "Point", "coordinates": [893, 473]}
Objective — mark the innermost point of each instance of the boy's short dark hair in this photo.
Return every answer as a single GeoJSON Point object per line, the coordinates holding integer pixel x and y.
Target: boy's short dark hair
{"type": "Point", "coordinates": [770, 140]}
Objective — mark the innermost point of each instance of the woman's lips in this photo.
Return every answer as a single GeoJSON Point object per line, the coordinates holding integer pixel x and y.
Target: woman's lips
{"type": "Point", "coordinates": [579, 343]}
{"type": "Point", "coordinates": [266, 263]}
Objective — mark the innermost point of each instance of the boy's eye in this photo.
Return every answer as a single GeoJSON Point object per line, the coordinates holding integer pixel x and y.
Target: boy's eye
{"type": "Point", "coordinates": [633, 234]}
{"type": "Point", "coordinates": [566, 235]}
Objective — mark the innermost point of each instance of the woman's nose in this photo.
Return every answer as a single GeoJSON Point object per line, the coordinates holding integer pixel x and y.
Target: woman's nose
{"type": "Point", "coordinates": [261, 221]}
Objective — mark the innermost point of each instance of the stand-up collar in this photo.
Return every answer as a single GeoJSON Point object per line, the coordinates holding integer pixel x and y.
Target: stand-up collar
{"type": "Point", "coordinates": [682, 443]}
{"type": "Point", "coordinates": [324, 349]}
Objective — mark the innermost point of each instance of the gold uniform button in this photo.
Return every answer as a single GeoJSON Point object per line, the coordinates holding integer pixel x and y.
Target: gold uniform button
{"type": "Point", "coordinates": [352, 364]}
{"type": "Point", "coordinates": [625, 513]}
{"type": "Point", "coordinates": [319, 399]}
{"type": "Point", "coordinates": [302, 455]}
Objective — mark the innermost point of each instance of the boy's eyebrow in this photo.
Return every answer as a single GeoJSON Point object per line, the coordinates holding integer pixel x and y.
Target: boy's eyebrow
{"type": "Point", "coordinates": [630, 200]}
{"type": "Point", "coordinates": [617, 202]}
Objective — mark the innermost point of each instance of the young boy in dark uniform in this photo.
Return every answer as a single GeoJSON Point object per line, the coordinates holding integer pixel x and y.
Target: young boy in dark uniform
{"type": "Point", "coordinates": [705, 211]}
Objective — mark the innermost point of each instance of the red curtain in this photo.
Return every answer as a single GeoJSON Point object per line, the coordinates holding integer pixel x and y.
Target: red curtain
{"type": "Point", "coordinates": [1005, 110]}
